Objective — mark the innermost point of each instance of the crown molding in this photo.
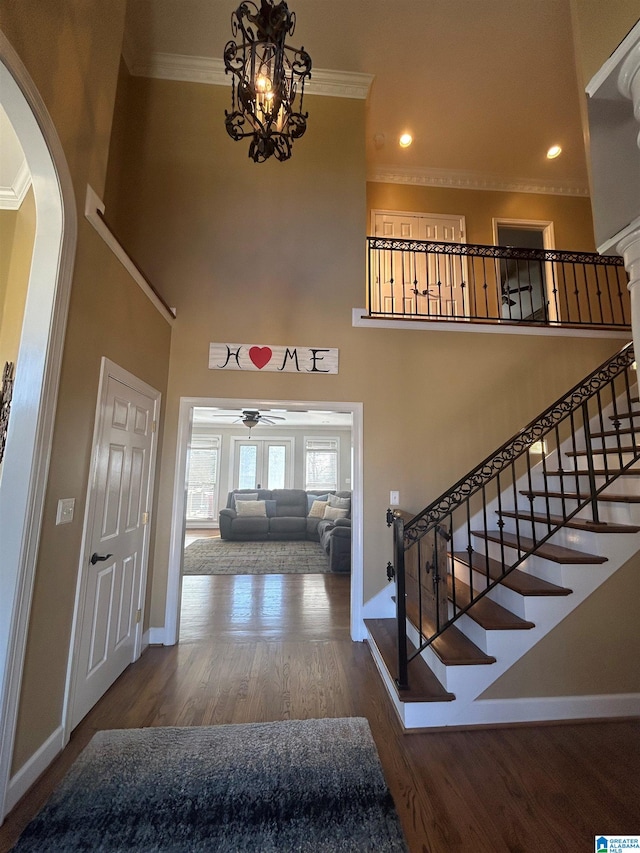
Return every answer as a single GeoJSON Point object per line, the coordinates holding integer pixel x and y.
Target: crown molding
{"type": "Point", "coordinates": [462, 180]}
{"type": "Point", "coordinates": [12, 197]}
{"type": "Point", "coordinates": [210, 70]}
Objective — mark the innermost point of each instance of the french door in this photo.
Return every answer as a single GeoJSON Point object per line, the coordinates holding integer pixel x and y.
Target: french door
{"type": "Point", "coordinates": [262, 463]}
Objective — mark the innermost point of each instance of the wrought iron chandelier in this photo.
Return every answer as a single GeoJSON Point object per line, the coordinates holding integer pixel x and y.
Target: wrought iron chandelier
{"type": "Point", "coordinates": [268, 76]}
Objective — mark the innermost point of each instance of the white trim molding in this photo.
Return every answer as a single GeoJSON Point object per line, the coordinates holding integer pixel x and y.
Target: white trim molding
{"type": "Point", "coordinates": [210, 70]}
{"type": "Point", "coordinates": [93, 207]}
{"type": "Point", "coordinates": [11, 198]}
{"type": "Point", "coordinates": [28, 448]}
{"type": "Point", "coordinates": [168, 634]}
{"type": "Point", "coordinates": [467, 180]}
{"type": "Point", "coordinates": [31, 771]}
{"type": "Point", "coordinates": [361, 319]}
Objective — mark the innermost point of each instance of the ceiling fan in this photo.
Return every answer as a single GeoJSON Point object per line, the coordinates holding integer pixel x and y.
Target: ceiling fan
{"type": "Point", "coordinates": [251, 417]}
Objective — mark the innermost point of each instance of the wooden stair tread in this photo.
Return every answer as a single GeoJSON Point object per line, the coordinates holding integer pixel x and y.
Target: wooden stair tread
{"type": "Point", "coordinates": [600, 451]}
{"type": "Point", "coordinates": [517, 580]}
{"type": "Point", "coordinates": [599, 472]}
{"type": "Point", "coordinates": [576, 523]}
{"type": "Point", "coordinates": [488, 614]}
{"type": "Point", "coordinates": [609, 432]}
{"type": "Point", "coordinates": [574, 496]}
{"type": "Point", "coordinates": [452, 646]}
{"type": "Point", "coordinates": [555, 553]}
{"type": "Point", "coordinates": [423, 684]}
{"type": "Point", "coordinates": [624, 416]}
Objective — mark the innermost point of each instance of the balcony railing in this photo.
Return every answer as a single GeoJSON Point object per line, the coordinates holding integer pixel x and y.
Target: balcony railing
{"type": "Point", "coordinates": [416, 279]}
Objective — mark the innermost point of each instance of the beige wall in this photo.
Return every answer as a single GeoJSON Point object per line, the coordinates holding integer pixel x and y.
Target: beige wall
{"type": "Point", "coordinates": [571, 215]}
{"type": "Point", "coordinates": [274, 253]}
{"type": "Point", "coordinates": [16, 247]}
{"type": "Point", "coordinates": [599, 28]}
{"type": "Point", "coordinates": [71, 49]}
{"type": "Point", "coordinates": [592, 652]}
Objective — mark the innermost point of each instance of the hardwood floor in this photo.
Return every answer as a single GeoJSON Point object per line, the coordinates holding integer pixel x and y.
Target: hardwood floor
{"type": "Point", "coordinates": [260, 648]}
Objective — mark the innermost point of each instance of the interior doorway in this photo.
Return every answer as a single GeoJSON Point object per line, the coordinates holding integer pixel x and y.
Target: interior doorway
{"type": "Point", "coordinates": [28, 442]}
{"type": "Point", "coordinates": [525, 283]}
{"type": "Point", "coordinates": [352, 474]}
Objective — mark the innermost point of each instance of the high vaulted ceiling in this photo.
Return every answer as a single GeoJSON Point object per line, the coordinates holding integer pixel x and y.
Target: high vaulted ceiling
{"type": "Point", "coordinates": [484, 86]}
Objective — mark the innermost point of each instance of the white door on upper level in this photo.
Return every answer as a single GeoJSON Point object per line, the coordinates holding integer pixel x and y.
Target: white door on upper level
{"type": "Point", "coordinates": [407, 281]}
{"type": "Point", "coordinates": [110, 599]}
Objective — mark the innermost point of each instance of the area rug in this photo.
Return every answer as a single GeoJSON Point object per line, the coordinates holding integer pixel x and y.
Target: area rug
{"type": "Point", "coordinates": [221, 557]}
{"type": "Point", "coordinates": [303, 786]}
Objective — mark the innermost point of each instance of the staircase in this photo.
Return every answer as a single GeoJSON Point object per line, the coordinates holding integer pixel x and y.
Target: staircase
{"type": "Point", "coordinates": [498, 561]}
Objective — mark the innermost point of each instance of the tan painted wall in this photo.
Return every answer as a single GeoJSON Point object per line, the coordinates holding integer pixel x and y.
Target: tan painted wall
{"type": "Point", "coordinates": [598, 29]}
{"type": "Point", "coordinates": [275, 254]}
{"type": "Point", "coordinates": [71, 49]}
{"type": "Point", "coordinates": [14, 270]}
{"type": "Point", "coordinates": [7, 229]}
{"type": "Point", "coordinates": [571, 215]}
{"type": "Point", "coordinates": [593, 651]}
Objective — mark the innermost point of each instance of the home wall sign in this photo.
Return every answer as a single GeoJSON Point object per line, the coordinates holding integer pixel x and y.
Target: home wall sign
{"type": "Point", "coordinates": [262, 357]}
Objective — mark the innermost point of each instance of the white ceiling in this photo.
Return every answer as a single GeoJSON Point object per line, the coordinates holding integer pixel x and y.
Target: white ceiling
{"type": "Point", "coordinates": [485, 86]}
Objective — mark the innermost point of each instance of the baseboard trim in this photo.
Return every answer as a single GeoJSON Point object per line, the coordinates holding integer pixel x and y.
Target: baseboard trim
{"type": "Point", "coordinates": [485, 713]}
{"type": "Point", "coordinates": [156, 637]}
{"type": "Point", "coordinates": [30, 772]}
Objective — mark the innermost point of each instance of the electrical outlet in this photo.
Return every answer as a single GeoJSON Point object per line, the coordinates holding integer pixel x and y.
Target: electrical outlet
{"type": "Point", "coordinates": [64, 515]}
{"type": "Point", "coordinates": [394, 498]}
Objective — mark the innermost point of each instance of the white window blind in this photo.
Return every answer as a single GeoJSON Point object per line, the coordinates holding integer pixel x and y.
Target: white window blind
{"type": "Point", "coordinates": [202, 481]}
{"type": "Point", "coordinates": [321, 463]}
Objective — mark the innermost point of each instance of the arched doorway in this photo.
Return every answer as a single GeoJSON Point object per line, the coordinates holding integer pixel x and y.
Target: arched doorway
{"type": "Point", "coordinates": [25, 466]}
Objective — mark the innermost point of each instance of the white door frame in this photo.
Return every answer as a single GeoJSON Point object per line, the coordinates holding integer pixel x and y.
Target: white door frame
{"type": "Point", "coordinates": [108, 369]}
{"type": "Point", "coordinates": [548, 241]}
{"type": "Point", "coordinates": [28, 447]}
{"type": "Point", "coordinates": [168, 636]}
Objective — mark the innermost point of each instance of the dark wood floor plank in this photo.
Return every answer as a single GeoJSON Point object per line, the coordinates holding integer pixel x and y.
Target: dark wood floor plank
{"type": "Point", "coordinates": [255, 651]}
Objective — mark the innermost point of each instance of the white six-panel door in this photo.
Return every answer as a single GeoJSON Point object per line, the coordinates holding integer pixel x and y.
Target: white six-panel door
{"type": "Point", "coordinates": [416, 283]}
{"type": "Point", "coordinates": [111, 590]}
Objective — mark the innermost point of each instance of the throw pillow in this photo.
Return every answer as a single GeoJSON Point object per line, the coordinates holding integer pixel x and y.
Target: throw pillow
{"type": "Point", "coordinates": [247, 496]}
{"type": "Point", "coordinates": [340, 503]}
{"type": "Point", "coordinates": [317, 509]}
{"type": "Point", "coordinates": [311, 499]}
{"type": "Point", "coordinates": [271, 508]}
{"type": "Point", "coordinates": [256, 509]}
{"type": "Point", "coordinates": [334, 512]}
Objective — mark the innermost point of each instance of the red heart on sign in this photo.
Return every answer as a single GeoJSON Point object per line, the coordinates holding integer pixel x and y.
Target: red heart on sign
{"type": "Point", "coordinates": [260, 356]}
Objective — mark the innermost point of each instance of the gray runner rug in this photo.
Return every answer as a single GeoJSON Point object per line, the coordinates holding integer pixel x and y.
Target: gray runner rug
{"type": "Point", "coordinates": [221, 557]}
{"type": "Point", "coordinates": [297, 786]}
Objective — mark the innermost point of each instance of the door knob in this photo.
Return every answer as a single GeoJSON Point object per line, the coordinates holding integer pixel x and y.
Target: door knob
{"type": "Point", "coordinates": [96, 558]}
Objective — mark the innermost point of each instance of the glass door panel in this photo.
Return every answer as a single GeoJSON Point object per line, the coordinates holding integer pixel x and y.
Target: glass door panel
{"type": "Point", "coordinates": [246, 477]}
{"type": "Point", "coordinates": [263, 463]}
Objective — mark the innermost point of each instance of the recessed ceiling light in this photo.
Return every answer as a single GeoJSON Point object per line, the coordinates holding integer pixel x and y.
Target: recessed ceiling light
{"type": "Point", "coordinates": [553, 152]}
{"type": "Point", "coordinates": [405, 140]}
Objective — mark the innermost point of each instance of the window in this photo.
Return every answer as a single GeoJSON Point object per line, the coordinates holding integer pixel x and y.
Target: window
{"type": "Point", "coordinates": [202, 480]}
{"type": "Point", "coordinates": [321, 463]}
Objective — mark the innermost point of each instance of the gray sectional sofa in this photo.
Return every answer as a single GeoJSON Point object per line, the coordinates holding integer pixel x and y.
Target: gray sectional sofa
{"type": "Point", "coordinates": [290, 514]}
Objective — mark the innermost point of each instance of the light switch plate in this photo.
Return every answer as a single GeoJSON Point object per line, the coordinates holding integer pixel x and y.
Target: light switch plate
{"type": "Point", "coordinates": [65, 510]}
{"type": "Point", "coordinates": [394, 498]}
